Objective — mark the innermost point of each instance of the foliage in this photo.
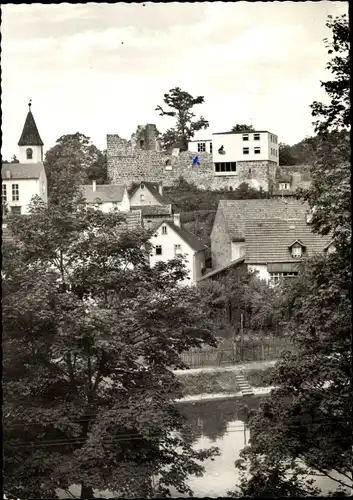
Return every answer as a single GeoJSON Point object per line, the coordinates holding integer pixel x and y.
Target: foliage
{"type": "Point", "coordinates": [242, 128]}
{"type": "Point", "coordinates": [76, 158]}
{"type": "Point", "coordinates": [336, 115]}
{"type": "Point", "coordinates": [181, 104]}
{"type": "Point", "coordinates": [238, 293]}
{"type": "Point", "coordinates": [14, 159]}
{"type": "Point", "coordinates": [89, 334]}
{"type": "Point", "coordinates": [306, 423]}
{"type": "Point", "coordinates": [286, 156]}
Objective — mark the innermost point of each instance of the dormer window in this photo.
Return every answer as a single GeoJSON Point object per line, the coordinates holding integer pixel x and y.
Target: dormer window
{"type": "Point", "coordinates": [29, 154]}
{"type": "Point", "coordinates": [297, 249]}
{"type": "Point", "coordinates": [142, 185]}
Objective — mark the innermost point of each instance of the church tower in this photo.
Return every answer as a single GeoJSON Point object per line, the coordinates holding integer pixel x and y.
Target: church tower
{"type": "Point", "coordinates": [30, 143]}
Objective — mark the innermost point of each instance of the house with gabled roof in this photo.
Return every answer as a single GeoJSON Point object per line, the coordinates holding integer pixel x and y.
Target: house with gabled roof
{"type": "Point", "coordinates": [106, 196]}
{"type": "Point", "coordinates": [155, 206]}
{"type": "Point", "coordinates": [171, 240]}
{"type": "Point", "coordinates": [21, 181]}
{"type": "Point", "coordinates": [268, 236]}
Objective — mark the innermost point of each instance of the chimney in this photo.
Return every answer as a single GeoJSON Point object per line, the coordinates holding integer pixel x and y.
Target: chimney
{"type": "Point", "coordinates": [177, 219]}
{"type": "Point", "coordinates": [94, 186]}
{"type": "Point", "coordinates": [8, 174]}
{"type": "Point", "coordinates": [160, 188]}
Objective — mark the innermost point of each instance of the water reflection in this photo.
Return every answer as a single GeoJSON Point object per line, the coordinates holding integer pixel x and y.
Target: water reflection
{"type": "Point", "coordinates": [211, 418]}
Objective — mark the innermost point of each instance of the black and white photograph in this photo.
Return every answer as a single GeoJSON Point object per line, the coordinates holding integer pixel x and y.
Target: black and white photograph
{"type": "Point", "coordinates": [176, 250]}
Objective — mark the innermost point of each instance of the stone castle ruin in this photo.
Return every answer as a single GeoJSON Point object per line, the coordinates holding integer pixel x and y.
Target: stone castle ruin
{"type": "Point", "coordinates": [141, 159]}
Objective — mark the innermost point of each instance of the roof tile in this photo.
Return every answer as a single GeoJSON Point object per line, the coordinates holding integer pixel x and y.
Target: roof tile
{"type": "Point", "coordinates": [21, 170]}
{"type": "Point", "coordinates": [30, 135]}
{"type": "Point", "coordinates": [269, 240]}
{"type": "Point", "coordinates": [103, 192]}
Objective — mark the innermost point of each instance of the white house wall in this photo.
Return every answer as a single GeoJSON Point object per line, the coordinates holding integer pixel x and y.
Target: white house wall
{"type": "Point", "coordinates": [261, 271]}
{"type": "Point", "coordinates": [149, 199]}
{"type": "Point", "coordinates": [193, 146]}
{"type": "Point", "coordinates": [167, 241]}
{"type": "Point", "coordinates": [234, 144]}
{"type": "Point", "coordinates": [125, 202]}
{"type": "Point", "coordinates": [43, 186]}
{"type": "Point", "coordinates": [27, 188]}
{"type": "Point", "coordinates": [238, 249]}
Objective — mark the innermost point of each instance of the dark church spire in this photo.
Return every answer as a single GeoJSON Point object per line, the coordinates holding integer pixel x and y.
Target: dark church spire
{"type": "Point", "coordinates": [30, 135]}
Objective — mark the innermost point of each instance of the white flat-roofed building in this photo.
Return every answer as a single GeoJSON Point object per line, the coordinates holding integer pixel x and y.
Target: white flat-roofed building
{"type": "Point", "coordinates": [200, 146]}
{"type": "Point", "coordinates": [228, 148]}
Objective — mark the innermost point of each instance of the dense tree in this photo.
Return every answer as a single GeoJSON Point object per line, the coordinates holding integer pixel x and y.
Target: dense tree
{"type": "Point", "coordinates": [238, 293]}
{"type": "Point", "coordinates": [242, 128]}
{"type": "Point", "coordinates": [337, 113]}
{"type": "Point", "coordinates": [75, 157]}
{"type": "Point", "coordinates": [285, 155]}
{"type": "Point", "coordinates": [89, 334]}
{"type": "Point", "coordinates": [305, 426]}
{"type": "Point", "coordinates": [181, 104]}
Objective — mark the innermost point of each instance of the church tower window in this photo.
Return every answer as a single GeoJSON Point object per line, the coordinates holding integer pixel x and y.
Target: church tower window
{"type": "Point", "coordinates": [29, 153]}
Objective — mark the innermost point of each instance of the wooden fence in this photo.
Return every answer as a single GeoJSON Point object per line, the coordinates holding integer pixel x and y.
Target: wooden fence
{"type": "Point", "coordinates": [230, 356]}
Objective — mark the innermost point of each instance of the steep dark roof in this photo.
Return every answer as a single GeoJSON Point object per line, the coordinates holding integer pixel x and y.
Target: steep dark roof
{"type": "Point", "coordinates": [30, 135]}
{"type": "Point", "coordinates": [192, 240]}
{"type": "Point", "coordinates": [269, 240]}
{"type": "Point", "coordinates": [21, 170]}
{"type": "Point", "coordinates": [153, 189]}
{"type": "Point", "coordinates": [236, 212]}
{"type": "Point", "coordinates": [287, 178]}
{"type": "Point", "coordinates": [153, 209]}
{"type": "Point", "coordinates": [105, 192]}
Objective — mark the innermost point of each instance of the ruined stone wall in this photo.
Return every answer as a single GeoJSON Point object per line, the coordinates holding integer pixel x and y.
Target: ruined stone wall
{"type": "Point", "coordinates": [128, 163]}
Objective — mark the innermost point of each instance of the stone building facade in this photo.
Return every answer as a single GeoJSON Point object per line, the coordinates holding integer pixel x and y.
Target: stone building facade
{"type": "Point", "coordinates": [141, 159]}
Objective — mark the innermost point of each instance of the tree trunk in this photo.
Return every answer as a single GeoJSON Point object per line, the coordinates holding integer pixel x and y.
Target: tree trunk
{"type": "Point", "coordinates": [86, 491]}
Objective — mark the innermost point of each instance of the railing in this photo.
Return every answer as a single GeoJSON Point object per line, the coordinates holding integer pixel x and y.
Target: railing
{"type": "Point", "coordinates": [230, 356]}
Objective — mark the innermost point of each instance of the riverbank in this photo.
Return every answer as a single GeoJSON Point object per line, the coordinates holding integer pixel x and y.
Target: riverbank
{"type": "Point", "coordinates": [258, 391]}
{"type": "Point", "coordinates": [223, 382]}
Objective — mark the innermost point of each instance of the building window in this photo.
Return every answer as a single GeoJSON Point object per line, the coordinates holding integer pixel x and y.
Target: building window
{"type": "Point", "coordinates": [297, 251]}
{"type": "Point", "coordinates": [226, 167]}
{"type": "Point", "coordinates": [284, 186]}
{"type": "Point", "coordinates": [245, 137]}
{"type": "Point", "coordinates": [142, 197]}
{"type": "Point", "coordinates": [3, 193]}
{"type": "Point", "coordinates": [177, 249]}
{"type": "Point", "coordinates": [276, 277]}
{"type": "Point", "coordinates": [201, 147]}
{"type": "Point", "coordinates": [245, 151]}
{"type": "Point", "coordinates": [256, 137]}
{"type": "Point", "coordinates": [16, 210]}
{"type": "Point", "coordinates": [15, 192]}
{"type": "Point", "coordinates": [164, 229]}
{"type": "Point", "coordinates": [158, 249]}
{"type": "Point", "coordinates": [211, 147]}
{"type": "Point", "coordinates": [257, 151]}
{"type": "Point", "coordinates": [142, 186]}
{"type": "Point", "coordinates": [29, 154]}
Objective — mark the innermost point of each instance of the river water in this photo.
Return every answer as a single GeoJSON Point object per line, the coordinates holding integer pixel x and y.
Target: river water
{"type": "Point", "coordinates": [218, 423]}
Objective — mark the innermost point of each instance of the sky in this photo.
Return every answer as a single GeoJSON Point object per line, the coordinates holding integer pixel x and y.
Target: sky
{"type": "Point", "coordinates": [102, 69]}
